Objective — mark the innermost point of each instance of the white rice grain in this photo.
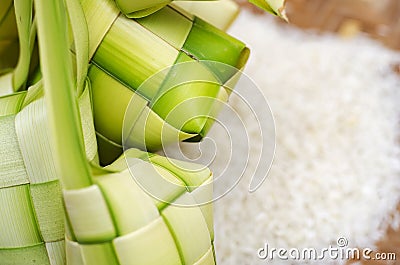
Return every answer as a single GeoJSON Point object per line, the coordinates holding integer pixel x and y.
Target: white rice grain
{"type": "Point", "coordinates": [336, 172]}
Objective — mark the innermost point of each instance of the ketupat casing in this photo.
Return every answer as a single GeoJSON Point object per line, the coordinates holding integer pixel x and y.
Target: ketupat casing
{"type": "Point", "coordinates": [33, 211]}
{"type": "Point", "coordinates": [142, 223]}
{"type": "Point", "coordinates": [174, 68]}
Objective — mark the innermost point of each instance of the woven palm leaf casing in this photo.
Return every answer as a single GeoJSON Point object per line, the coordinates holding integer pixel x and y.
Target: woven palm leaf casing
{"type": "Point", "coordinates": [130, 226]}
{"type": "Point", "coordinates": [113, 221]}
{"type": "Point", "coordinates": [32, 221]}
{"type": "Point", "coordinates": [121, 65]}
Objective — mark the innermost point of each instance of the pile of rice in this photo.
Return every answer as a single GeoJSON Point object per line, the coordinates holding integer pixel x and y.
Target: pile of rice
{"type": "Point", "coordinates": [336, 171]}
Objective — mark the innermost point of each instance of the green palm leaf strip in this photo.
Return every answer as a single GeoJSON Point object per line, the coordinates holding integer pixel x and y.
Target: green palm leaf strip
{"type": "Point", "coordinates": [137, 9]}
{"type": "Point", "coordinates": [26, 33]}
{"type": "Point", "coordinates": [62, 109]}
{"type": "Point", "coordinates": [276, 7]}
{"type": "Point", "coordinates": [8, 38]}
{"type": "Point", "coordinates": [220, 14]}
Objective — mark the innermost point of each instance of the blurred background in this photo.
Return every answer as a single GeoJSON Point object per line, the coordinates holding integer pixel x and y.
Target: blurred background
{"type": "Point", "coordinates": [379, 20]}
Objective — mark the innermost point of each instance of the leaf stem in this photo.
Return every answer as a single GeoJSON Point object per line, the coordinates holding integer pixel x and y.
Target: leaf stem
{"type": "Point", "coordinates": [61, 103]}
